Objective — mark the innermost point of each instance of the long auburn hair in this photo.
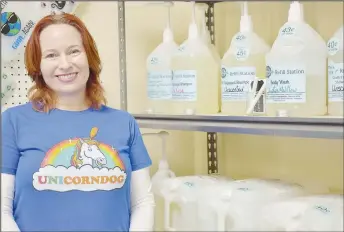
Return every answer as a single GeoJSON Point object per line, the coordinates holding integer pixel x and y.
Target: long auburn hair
{"type": "Point", "coordinates": [44, 98]}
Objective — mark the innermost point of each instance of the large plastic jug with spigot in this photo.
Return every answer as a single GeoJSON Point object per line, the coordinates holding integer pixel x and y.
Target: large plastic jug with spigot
{"type": "Point", "coordinates": [236, 205]}
{"type": "Point", "coordinates": [159, 74]}
{"type": "Point", "coordinates": [296, 69]}
{"type": "Point", "coordinates": [181, 196]}
{"type": "Point", "coordinates": [306, 213]}
{"type": "Point", "coordinates": [196, 77]}
{"type": "Point", "coordinates": [244, 60]}
{"type": "Point", "coordinates": [335, 93]}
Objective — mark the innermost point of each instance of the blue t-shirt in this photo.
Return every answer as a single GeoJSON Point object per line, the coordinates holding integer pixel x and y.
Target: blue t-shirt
{"type": "Point", "coordinates": [72, 169]}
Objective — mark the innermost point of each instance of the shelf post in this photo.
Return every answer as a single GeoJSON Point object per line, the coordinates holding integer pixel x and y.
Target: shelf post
{"type": "Point", "coordinates": [212, 156]}
{"type": "Point", "coordinates": [122, 55]}
{"type": "Point", "coordinates": [212, 153]}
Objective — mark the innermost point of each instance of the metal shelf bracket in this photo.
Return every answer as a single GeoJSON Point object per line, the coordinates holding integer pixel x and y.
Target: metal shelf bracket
{"type": "Point", "coordinates": [211, 136]}
{"type": "Point", "coordinates": [122, 55]}
{"type": "Point", "coordinates": [212, 153]}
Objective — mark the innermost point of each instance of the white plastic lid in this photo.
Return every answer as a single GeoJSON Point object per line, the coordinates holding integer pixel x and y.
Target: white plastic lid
{"type": "Point", "coordinates": [163, 165]}
{"type": "Point", "coordinates": [295, 12]}
{"type": "Point", "coordinates": [193, 31]}
{"type": "Point", "coordinates": [245, 23]}
{"type": "Point", "coordinates": [168, 35]}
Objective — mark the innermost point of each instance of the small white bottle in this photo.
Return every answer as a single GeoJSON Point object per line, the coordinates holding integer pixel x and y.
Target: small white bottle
{"type": "Point", "coordinates": [335, 76]}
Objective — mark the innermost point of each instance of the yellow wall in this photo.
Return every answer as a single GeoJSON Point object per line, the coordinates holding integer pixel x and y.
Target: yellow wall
{"type": "Point", "coordinates": [315, 162]}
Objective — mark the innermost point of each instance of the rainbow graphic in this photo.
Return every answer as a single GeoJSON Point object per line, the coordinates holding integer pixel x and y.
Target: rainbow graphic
{"type": "Point", "coordinates": [61, 153]}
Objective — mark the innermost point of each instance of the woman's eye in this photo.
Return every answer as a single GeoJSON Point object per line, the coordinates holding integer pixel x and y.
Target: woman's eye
{"type": "Point", "coordinates": [50, 55]}
{"type": "Point", "coordinates": [75, 51]}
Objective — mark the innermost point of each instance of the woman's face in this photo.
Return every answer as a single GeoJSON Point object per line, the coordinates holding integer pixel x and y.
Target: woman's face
{"type": "Point", "coordinates": [64, 64]}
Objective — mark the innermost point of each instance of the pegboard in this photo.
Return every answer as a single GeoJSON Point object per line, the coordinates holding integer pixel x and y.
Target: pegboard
{"type": "Point", "coordinates": [15, 70]}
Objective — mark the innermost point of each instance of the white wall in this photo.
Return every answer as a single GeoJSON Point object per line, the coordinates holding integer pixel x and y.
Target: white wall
{"type": "Point", "coordinates": [301, 160]}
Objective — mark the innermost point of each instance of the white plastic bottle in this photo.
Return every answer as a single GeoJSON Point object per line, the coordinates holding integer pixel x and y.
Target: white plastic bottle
{"type": "Point", "coordinates": [335, 77]}
{"type": "Point", "coordinates": [163, 173]}
{"type": "Point", "coordinates": [296, 69]}
{"type": "Point", "coordinates": [195, 76]}
{"type": "Point", "coordinates": [159, 74]}
{"type": "Point", "coordinates": [243, 61]}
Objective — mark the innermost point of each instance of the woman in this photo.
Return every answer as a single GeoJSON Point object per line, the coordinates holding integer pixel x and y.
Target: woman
{"type": "Point", "coordinates": [70, 163]}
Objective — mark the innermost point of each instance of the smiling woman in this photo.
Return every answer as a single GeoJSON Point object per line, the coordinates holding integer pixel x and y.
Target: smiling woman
{"type": "Point", "coordinates": [62, 59]}
{"type": "Point", "coordinates": [66, 142]}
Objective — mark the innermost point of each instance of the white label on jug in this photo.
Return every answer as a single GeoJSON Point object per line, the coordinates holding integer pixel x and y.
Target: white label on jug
{"type": "Point", "coordinates": [333, 46]}
{"type": "Point", "coordinates": [154, 60]}
{"type": "Point", "coordinates": [189, 184]}
{"type": "Point", "coordinates": [335, 82]}
{"type": "Point", "coordinates": [240, 37]}
{"type": "Point", "coordinates": [159, 85]}
{"type": "Point", "coordinates": [184, 85]}
{"type": "Point", "coordinates": [236, 82]}
{"type": "Point", "coordinates": [242, 53]}
{"type": "Point", "coordinates": [286, 84]}
{"type": "Point", "coordinates": [287, 30]}
{"type": "Point", "coordinates": [181, 48]}
{"type": "Point", "coordinates": [322, 209]}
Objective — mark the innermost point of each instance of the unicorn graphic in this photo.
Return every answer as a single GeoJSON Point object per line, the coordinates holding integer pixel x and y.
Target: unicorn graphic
{"type": "Point", "coordinates": [87, 152]}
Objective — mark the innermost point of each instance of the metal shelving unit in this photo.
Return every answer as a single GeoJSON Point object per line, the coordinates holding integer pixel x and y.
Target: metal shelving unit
{"type": "Point", "coordinates": [328, 128]}
{"type": "Point", "coordinates": [275, 126]}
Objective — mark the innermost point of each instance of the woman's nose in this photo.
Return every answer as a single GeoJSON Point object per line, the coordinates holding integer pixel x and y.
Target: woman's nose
{"type": "Point", "coordinates": [64, 62]}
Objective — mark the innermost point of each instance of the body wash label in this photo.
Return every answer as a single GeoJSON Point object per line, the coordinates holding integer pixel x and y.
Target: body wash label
{"type": "Point", "coordinates": [335, 82]}
{"type": "Point", "coordinates": [286, 84]}
{"type": "Point", "coordinates": [159, 85]}
{"type": "Point", "coordinates": [184, 85]}
{"type": "Point", "coordinates": [236, 82]}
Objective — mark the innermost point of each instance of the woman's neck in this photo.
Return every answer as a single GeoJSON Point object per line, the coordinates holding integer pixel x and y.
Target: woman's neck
{"type": "Point", "coordinates": [72, 103]}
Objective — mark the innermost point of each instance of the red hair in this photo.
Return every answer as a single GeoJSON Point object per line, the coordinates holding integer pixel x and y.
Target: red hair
{"type": "Point", "coordinates": [44, 98]}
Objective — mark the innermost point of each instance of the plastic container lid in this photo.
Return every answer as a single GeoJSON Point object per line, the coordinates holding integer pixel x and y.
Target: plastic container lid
{"type": "Point", "coordinates": [168, 35]}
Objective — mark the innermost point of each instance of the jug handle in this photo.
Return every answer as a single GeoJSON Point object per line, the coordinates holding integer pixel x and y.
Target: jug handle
{"type": "Point", "coordinates": [167, 217]}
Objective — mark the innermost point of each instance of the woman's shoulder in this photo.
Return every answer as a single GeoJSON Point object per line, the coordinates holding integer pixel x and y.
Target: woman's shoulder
{"type": "Point", "coordinates": [117, 113]}
{"type": "Point", "coordinates": [18, 109]}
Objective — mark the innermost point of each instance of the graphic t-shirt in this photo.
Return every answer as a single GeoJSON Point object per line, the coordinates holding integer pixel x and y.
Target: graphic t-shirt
{"type": "Point", "coordinates": [72, 169]}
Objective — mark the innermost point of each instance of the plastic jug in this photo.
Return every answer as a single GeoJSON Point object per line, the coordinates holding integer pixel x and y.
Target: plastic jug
{"type": "Point", "coordinates": [296, 69]}
{"type": "Point", "coordinates": [162, 174]}
{"type": "Point", "coordinates": [196, 76]}
{"type": "Point", "coordinates": [243, 61]}
{"type": "Point", "coordinates": [159, 74]}
{"type": "Point", "coordinates": [238, 205]}
{"type": "Point", "coordinates": [181, 194]}
{"type": "Point", "coordinates": [335, 94]}
{"type": "Point", "coordinates": [307, 213]}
